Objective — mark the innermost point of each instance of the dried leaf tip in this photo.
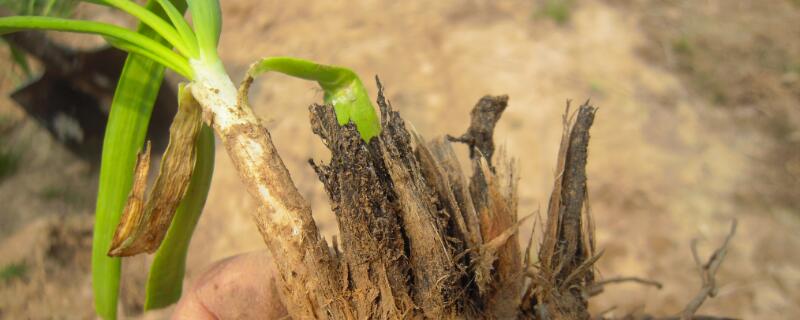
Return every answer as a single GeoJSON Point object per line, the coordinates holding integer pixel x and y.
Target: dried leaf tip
{"type": "Point", "coordinates": [144, 223]}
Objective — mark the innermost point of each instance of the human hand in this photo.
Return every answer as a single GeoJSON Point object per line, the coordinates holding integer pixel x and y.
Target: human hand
{"type": "Point", "coordinates": [239, 287]}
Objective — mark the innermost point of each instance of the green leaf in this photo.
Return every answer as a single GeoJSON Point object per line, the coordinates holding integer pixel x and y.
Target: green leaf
{"type": "Point", "coordinates": [165, 281]}
{"type": "Point", "coordinates": [120, 37]}
{"type": "Point", "coordinates": [153, 21]}
{"type": "Point", "coordinates": [207, 22]}
{"type": "Point", "coordinates": [125, 133]}
{"type": "Point", "coordinates": [343, 89]}
{"type": "Point", "coordinates": [182, 26]}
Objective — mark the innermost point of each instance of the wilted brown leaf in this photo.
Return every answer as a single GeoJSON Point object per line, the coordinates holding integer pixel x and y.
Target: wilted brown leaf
{"type": "Point", "coordinates": [142, 227]}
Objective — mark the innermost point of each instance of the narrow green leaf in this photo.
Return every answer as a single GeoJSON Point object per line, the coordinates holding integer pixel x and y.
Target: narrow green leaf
{"type": "Point", "coordinates": [182, 26]}
{"type": "Point", "coordinates": [207, 22]}
{"type": "Point", "coordinates": [343, 89]}
{"type": "Point", "coordinates": [125, 39]}
{"type": "Point", "coordinates": [153, 21]}
{"type": "Point", "coordinates": [165, 281]}
{"type": "Point", "coordinates": [125, 133]}
{"type": "Point", "coordinates": [178, 66]}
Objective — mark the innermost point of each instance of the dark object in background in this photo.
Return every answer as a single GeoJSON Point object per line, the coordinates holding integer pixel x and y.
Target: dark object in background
{"type": "Point", "coordinates": [73, 95]}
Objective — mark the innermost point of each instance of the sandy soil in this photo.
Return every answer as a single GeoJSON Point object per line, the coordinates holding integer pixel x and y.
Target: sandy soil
{"type": "Point", "coordinates": [669, 160]}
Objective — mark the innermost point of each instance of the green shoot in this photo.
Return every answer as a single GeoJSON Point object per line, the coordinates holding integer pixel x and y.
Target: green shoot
{"type": "Point", "coordinates": [343, 89]}
{"type": "Point", "coordinates": [207, 21]}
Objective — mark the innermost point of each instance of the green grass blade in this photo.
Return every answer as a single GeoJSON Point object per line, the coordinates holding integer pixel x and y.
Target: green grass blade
{"type": "Point", "coordinates": [166, 30]}
{"type": "Point", "coordinates": [118, 36]}
{"type": "Point", "coordinates": [182, 26]}
{"type": "Point", "coordinates": [207, 21]}
{"type": "Point", "coordinates": [179, 67]}
{"type": "Point", "coordinates": [165, 281]}
{"type": "Point", "coordinates": [343, 89]}
{"type": "Point", "coordinates": [125, 133]}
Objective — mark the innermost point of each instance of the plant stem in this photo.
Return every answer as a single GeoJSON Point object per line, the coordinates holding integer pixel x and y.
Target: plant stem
{"type": "Point", "coordinates": [284, 217]}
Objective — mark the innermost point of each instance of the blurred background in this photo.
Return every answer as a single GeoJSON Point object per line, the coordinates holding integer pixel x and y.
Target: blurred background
{"type": "Point", "coordinates": [699, 123]}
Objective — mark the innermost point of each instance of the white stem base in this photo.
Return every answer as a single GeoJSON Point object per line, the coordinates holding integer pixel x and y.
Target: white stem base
{"type": "Point", "coordinates": [284, 217]}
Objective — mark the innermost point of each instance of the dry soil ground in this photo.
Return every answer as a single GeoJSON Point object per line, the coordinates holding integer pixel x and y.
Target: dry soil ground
{"type": "Point", "coordinates": [698, 124]}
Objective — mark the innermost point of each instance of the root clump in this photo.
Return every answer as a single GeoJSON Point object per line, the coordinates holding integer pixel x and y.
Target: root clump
{"type": "Point", "coordinates": [420, 239]}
